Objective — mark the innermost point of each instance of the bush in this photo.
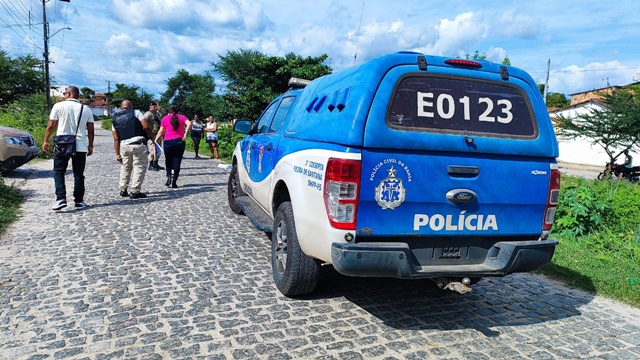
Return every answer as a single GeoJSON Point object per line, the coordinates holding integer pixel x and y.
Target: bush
{"type": "Point", "coordinates": [227, 140]}
{"type": "Point", "coordinates": [10, 201]}
{"type": "Point", "coordinates": [28, 114]}
{"type": "Point", "coordinates": [598, 228]}
{"type": "Point", "coordinates": [581, 209]}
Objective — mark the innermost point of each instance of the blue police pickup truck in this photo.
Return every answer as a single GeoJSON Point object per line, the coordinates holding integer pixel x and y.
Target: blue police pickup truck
{"type": "Point", "coordinates": [408, 166]}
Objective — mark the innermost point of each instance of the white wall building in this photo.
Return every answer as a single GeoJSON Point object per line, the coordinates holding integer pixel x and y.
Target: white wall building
{"type": "Point", "coordinates": [581, 150]}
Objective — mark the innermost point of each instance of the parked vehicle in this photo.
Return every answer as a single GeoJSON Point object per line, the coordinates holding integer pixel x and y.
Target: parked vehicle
{"type": "Point", "coordinates": [408, 166]}
{"type": "Point", "coordinates": [615, 170]}
{"type": "Point", "coordinates": [17, 148]}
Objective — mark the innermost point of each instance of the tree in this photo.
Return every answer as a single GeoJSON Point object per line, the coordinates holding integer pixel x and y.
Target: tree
{"type": "Point", "coordinates": [614, 129]}
{"type": "Point", "coordinates": [87, 93]}
{"type": "Point", "coordinates": [20, 76]}
{"type": "Point", "coordinates": [254, 79]}
{"type": "Point", "coordinates": [557, 100]}
{"type": "Point", "coordinates": [193, 92]}
{"type": "Point", "coordinates": [476, 56]}
{"type": "Point", "coordinates": [138, 97]}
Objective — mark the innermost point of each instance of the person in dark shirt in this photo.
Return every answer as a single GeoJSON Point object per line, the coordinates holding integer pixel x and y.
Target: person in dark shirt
{"type": "Point", "coordinates": [130, 133]}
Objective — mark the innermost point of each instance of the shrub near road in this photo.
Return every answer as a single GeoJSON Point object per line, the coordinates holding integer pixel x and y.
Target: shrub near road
{"type": "Point", "coordinates": [598, 226]}
{"type": "Point", "coordinates": [28, 114]}
{"type": "Point", "coordinates": [10, 201]}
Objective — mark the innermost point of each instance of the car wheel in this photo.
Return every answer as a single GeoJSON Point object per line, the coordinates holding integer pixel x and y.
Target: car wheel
{"type": "Point", "coordinates": [293, 271]}
{"type": "Point", "coordinates": [234, 190]}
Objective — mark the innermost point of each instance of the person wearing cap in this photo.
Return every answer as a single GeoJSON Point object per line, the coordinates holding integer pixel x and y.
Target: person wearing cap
{"type": "Point", "coordinates": [130, 133]}
{"type": "Point", "coordinates": [70, 117]}
{"type": "Point", "coordinates": [153, 118]}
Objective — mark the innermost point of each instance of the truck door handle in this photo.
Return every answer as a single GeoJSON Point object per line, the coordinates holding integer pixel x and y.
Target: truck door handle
{"type": "Point", "coordinates": [463, 171]}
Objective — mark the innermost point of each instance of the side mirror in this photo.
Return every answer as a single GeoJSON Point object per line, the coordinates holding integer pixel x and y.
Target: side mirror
{"type": "Point", "coordinates": [242, 126]}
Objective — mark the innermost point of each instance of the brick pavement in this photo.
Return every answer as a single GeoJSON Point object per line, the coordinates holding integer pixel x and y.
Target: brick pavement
{"type": "Point", "coordinates": [179, 276]}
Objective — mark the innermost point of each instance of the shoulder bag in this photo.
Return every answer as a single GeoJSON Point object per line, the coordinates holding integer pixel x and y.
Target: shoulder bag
{"type": "Point", "coordinates": [65, 145]}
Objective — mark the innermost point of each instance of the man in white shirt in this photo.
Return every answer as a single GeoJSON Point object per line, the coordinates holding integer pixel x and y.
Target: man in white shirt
{"type": "Point", "coordinates": [70, 117]}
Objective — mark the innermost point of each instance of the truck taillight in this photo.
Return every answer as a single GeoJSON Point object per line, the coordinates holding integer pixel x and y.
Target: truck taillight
{"type": "Point", "coordinates": [552, 199]}
{"type": "Point", "coordinates": [341, 192]}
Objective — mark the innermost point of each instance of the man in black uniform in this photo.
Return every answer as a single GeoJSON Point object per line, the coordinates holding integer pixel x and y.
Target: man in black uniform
{"type": "Point", "coordinates": [130, 133]}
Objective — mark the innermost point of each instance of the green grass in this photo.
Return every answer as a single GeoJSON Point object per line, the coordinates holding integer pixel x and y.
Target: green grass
{"type": "Point", "coordinates": [599, 249]}
{"type": "Point", "coordinates": [613, 273]}
{"type": "Point", "coordinates": [10, 200]}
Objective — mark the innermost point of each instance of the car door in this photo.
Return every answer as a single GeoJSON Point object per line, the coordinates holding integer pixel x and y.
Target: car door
{"type": "Point", "coordinates": [264, 148]}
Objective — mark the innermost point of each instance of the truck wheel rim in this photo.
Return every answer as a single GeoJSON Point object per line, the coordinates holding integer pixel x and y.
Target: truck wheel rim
{"type": "Point", "coordinates": [281, 247]}
{"type": "Point", "coordinates": [234, 186]}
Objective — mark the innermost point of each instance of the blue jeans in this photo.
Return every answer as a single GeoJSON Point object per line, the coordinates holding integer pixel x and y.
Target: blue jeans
{"type": "Point", "coordinates": [173, 151]}
{"type": "Point", "coordinates": [60, 164]}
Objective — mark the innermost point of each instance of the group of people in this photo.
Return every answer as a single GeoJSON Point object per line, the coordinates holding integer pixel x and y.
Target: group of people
{"type": "Point", "coordinates": [210, 132]}
{"type": "Point", "coordinates": [137, 140]}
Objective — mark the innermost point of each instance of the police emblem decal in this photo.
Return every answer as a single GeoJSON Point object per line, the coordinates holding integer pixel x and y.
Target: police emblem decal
{"type": "Point", "coordinates": [390, 192]}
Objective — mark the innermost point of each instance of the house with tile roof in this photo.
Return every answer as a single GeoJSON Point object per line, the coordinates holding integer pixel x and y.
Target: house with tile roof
{"type": "Point", "coordinates": [582, 150]}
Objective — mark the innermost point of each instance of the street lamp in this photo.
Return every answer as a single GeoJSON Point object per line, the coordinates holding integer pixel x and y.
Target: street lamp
{"type": "Point", "coordinates": [46, 50]}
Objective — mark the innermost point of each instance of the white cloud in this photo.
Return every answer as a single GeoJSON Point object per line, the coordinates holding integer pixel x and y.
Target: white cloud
{"type": "Point", "coordinates": [496, 54]}
{"type": "Point", "coordinates": [455, 37]}
{"type": "Point", "coordinates": [193, 17]}
{"type": "Point", "coordinates": [125, 45]}
{"type": "Point", "coordinates": [148, 40]}
{"type": "Point", "coordinates": [516, 25]}
{"type": "Point", "coordinates": [574, 78]}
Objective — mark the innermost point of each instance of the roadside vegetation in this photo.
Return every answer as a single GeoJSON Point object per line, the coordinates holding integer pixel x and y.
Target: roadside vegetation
{"type": "Point", "coordinates": [10, 200]}
{"type": "Point", "coordinates": [598, 227]}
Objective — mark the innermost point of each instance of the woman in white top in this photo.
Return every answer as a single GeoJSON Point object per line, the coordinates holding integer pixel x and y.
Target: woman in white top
{"type": "Point", "coordinates": [212, 137]}
{"type": "Point", "coordinates": [196, 133]}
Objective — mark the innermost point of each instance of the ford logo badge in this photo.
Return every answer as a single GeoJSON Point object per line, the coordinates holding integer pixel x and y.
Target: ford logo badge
{"type": "Point", "coordinates": [461, 196]}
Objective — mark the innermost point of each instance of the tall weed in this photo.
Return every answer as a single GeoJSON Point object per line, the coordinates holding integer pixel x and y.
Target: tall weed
{"type": "Point", "coordinates": [582, 209]}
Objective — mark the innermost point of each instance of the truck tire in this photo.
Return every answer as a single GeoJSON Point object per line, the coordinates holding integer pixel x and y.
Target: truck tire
{"type": "Point", "coordinates": [293, 271]}
{"type": "Point", "coordinates": [234, 190]}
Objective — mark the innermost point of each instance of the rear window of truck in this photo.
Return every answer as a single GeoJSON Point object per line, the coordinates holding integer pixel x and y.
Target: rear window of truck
{"type": "Point", "coordinates": [461, 105]}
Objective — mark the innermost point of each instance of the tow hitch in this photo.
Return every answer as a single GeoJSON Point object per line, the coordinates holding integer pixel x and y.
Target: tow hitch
{"type": "Point", "coordinates": [461, 287]}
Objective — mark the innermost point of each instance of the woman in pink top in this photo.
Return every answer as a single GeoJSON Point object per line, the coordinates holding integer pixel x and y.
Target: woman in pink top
{"type": "Point", "coordinates": [174, 127]}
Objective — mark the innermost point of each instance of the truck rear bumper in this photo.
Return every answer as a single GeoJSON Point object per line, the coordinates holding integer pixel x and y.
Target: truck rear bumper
{"type": "Point", "coordinates": [372, 259]}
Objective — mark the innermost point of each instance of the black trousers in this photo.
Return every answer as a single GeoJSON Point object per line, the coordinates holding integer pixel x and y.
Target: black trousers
{"type": "Point", "coordinates": [173, 152]}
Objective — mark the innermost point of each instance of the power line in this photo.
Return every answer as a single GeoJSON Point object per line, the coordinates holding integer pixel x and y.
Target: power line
{"type": "Point", "coordinates": [17, 13]}
{"type": "Point", "coordinates": [15, 20]}
{"type": "Point", "coordinates": [17, 33]}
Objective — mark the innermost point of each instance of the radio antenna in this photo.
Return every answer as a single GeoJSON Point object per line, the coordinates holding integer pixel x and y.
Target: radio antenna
{"type": "Point", "coordinates": [355, 56]}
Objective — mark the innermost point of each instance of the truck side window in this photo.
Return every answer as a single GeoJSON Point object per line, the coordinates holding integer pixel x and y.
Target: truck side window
{"type": "Point", "coordinates": [281, 114]}
{"type": "Point", "coordinates": [262, 126]}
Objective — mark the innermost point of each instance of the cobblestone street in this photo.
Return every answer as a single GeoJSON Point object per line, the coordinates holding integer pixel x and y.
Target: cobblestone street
{"type": "Point", "coordinates": [179, 276]}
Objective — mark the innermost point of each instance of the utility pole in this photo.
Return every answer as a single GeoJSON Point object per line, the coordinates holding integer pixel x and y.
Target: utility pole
{"type": "Point", "coordinates": [546, 82]}
{"type": "Point", "coordinates": [45, 26]}
{"type": "Point", "coordinates": [45, 29]}
{"type": "Point", "coordinates": [108, 93]}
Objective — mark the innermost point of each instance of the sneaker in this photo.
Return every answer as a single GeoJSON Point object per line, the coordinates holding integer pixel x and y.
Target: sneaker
{"type": "Point", "coordinates": [60, 204]}
{"type": "Point", "coordinates": [124, 193]}
{"type": "Point", "coordinates": [138, 195]}
{"type": "Point", "coordinates": [81, 205]}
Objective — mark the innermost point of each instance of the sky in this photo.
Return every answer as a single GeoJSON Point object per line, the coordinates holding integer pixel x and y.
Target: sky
{"type": "Point", "coordinates": [590, 44]}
